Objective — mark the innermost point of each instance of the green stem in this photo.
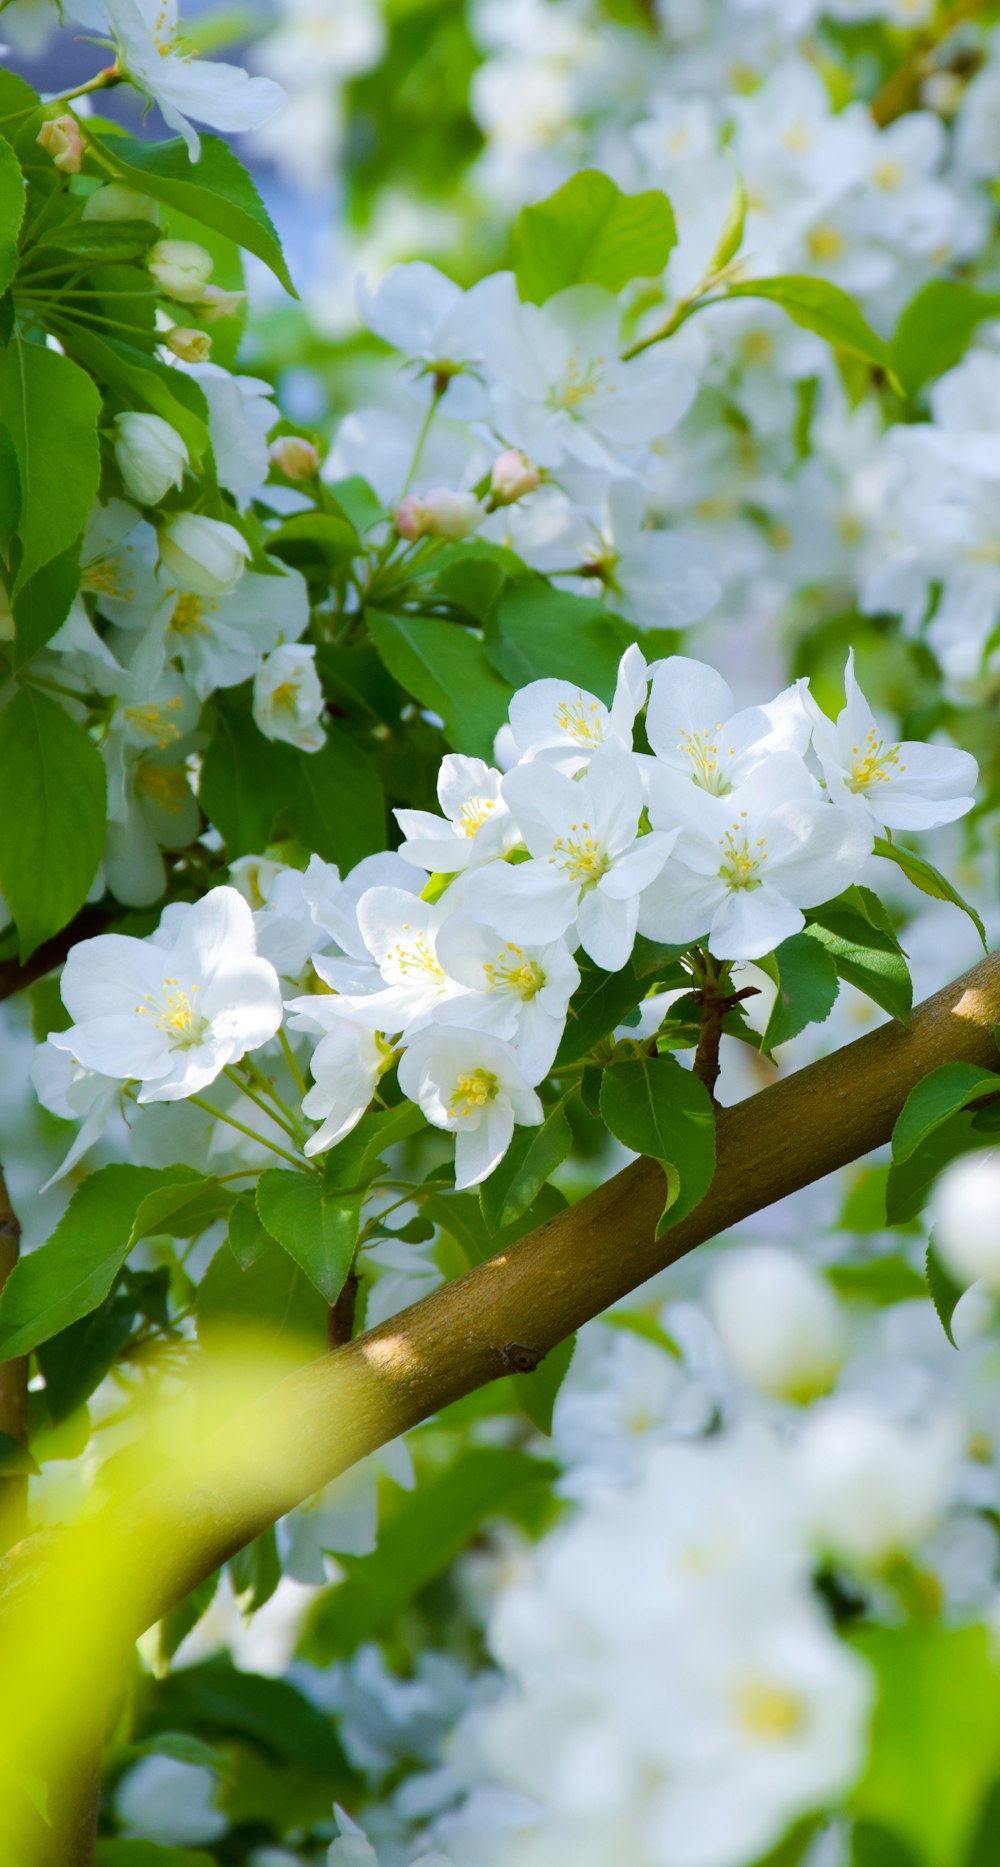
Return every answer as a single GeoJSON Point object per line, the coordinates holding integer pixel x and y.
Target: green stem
{"type": "Point", "coordinates": [300, 1081]}
{"type": "Point", "coordinates": [425, 428]}
{"type": "Point", "coordinates": [252, 1095]}
{"type": "Point", "coordinates": [231, 1122]}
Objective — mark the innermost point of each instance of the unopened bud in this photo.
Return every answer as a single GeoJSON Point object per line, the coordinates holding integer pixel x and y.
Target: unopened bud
{"type": "Point", "coordinates": [214, 304]}
{"type": "Point", "coordinates": [116, 202]}
{"type": "Point", "coordinates": [151, 456]}
{"type": "Point", "coordinates": [439, 513]}
{"type": "Point", "coordinates": [206, 556]}
{"type": "Point", "coordinates": [60, 138]}
{"type": "Point", "coordinates": [190, 346]}
{"type": "Point", "coordinates": [181, 269]}
{"type": "Point", "coordinates": [513, 475]}
{"type": "Point", "coordinates": [295, 457]}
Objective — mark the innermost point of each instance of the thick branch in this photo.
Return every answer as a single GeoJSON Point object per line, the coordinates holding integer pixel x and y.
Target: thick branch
{"type": "Point", "coordinates": [324, 1417]}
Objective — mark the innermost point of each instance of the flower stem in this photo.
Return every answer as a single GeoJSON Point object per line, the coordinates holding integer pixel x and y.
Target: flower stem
{"type": "Point", "coordinates": [300, 1081]}
{"type": "Point", "coordinates": [231, 1122]}
{"type": "Point", "coordinates": [252, 1095]}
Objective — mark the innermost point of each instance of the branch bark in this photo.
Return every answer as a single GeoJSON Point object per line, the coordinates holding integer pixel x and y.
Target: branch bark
{"type": "Point", "coordinates": [324, 1417]}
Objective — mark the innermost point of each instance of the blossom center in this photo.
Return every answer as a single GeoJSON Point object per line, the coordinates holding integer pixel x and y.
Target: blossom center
{"type": "Point", "coordinates": [701, 749]}
{"type": "Point", "coordinates": [176, 1013]}
{"type": "Point", "coordinates": [741, 861]}
{"type": "Point", "coordinates": [511, 972]}
{"type": "Point", "coordinates": [873, 763]}
{"type": "Point", "coordinates": [416, 957]}
{"type": "Point", "coordinates": [825, 243]}
{"type": "Point", "coordinates": [473, 1092]}
{"type": "Point", "coordinates": [151, 718]}
{"type": "Point", "coordinates": [103, 577]}
{"type": "Point", "coordinates": [164, 785]}
{"type": "Point", "coordinates": [579, 383]}
{"type": "Point", "coordinates": [189, 615]}
{"type": "Point", "coordinates": [581, 719]}
{"type": "Point", "coordinates": [581, 855]}
{"type": "Point", "coordinates": [474, 813]}
{"type": "Point", "coordinates": [767, 1711]}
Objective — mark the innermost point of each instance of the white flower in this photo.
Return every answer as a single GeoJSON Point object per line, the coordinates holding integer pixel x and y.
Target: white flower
{"type": "Point", "coordinates": [205, 556]}
{"type": "Point", "coordinates": [470, 1084]}
{"type": "Point", "coordinates": [909, 786]}
{"type": "Point", "coordinates": [241, 414]}
{"type": "Point", "coordinates": [520, 993]}
{"type": "Point", "coordinates": [438, 513]}
{"type": "Point", "coordinates": [433, 323]}
{"type": "Point", "coordinates": [589, 864]}
{"type": "Point", "coordinates": [151, 456]}
{"type": "Point", "coordinates": [288, 700]}
{"type": "Point", "coordinates": [965, 1215]}
{"type": "Point", "coordinates": [346, 1066]}
{"type": "Point", "coordinates": [872, 1489]}
{"type": "Point", "coordinates": [745, 865]}
{"type": "Point", "coordinates": [219, 640]}
{"type": "Point", "coordinates": [557, 387]}
{"type": "Point", "coordinates": [780, 1323]}
{"type": "Point", "coordinates": [476, 825]}
{"type": "Point", "coordinates": [401, 933]}
{"type": "Point", "coordinates": [565, 724]}
{"type": "Point", "coordinates": [173, 1011]}
{"type": "Point", "coordinates": [694, 729]}
{"type": "Point", "coordinates": [66, 1089]}
{"type": "Point", "coordinates": [180, 269]}
{"type": "Point", "coordinates": [152, 53]}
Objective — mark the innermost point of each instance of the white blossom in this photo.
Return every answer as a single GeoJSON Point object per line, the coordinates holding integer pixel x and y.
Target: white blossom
{"type": "Point", "coordinates": [469, 1083]}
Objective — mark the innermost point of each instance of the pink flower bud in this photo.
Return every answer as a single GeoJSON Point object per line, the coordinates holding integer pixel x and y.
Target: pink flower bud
{"type": "Point", "coordinates": [439, 513]}
{"type": "Point", "coordinates": [60, 138]}
{"type": "Point", "coordinates": [513, 475]}
{"type": "Point", "coordinates": [295, 457]}
{"type": "Point", "coordinates": [190, 345]}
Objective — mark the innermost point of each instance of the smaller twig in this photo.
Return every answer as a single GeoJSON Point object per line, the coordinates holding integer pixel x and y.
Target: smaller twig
{"type": "Point", "coordinates": [340, 1321]}
{"type": "Point", "coordinates": [13, 1391]}
{"type": "Point", "coordinates": [714, 1006]}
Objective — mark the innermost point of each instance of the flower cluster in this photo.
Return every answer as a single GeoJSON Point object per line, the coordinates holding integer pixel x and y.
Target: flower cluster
{"type": "Point", "coordinates": [464, 977]}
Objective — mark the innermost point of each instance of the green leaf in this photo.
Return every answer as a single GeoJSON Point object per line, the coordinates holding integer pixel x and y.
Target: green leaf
{"type": "Point", "coordinates": [318, 1228]}
{"type": "Point", "coordinates": [731, 238]}
{"type": "Point", "coordinates": [355, 1161]}
{"type": "Point", "coordinates": [859, 936]}
{"type": "Point", "coordinates": [182, 1210]}
{"type": "Point", "coordinates": [985, 1849]}
{"type": "Point", "coordinates": [540, 632]}
{"type": "Point", "coordinates": [949, 1088]}
{"type": "Point", "coordinates": [600, 1002]}
{"type": "Point", "coordinates": [74, 1270]}
{"type": "Point", "coordinates": [52, 805]}
{"type": "Point", "coordinates": [446, 669]}
{"type": "Point", "coordinates": [12, 200]}
{"type": "Point", "coordinates": [117, 1853]}
{"type": "Point", "coordinates": [589, 233]}
{"type": "Point", "coordinates": [246, 1236]}
{"type": "Point", "coordinates": [879, 1281]}
{"type": "Point", "coordinates": [319, 812]}
{"type": "Point", "coordinates": [935, 330]}
{"type": "Point", "coordinates": [51, 410]}
{"type": "Point", "coordinates": [255, 1571]}
{"type": "Point", "coordinates": [807, 989]}
{"type": "Point", "coordinates": [10, 491]}
{"type": "Point", "coordinates": [929, 880]}
{"type": "Point", "coordinates": [272, 1294]}
{"type": "Point", "coordinates": [818, 306]}
{"type": "Point", "coordinates": [421, 1539]}
{"type": "Point", "coordinates": [659, 1109]}
{"type": "Point", "coordinates": [43, 603]}
{"type": "Point", "coordinates": [95, 242]}
{"type": "Point", "coordinates": [935, 1735]}
{"type": "Point", "coordinates": [246, 782]}
{"type": "Point", "coordinates": [944, 1291]}
{"type": "Point", "coordinates": [460, 1215]}
{"type": "Point", "coordinates": [532, 1156]}
{"type": "Point", "coordinates": [909, 1184]}
{"type": "Point", "coordinates": [872, 1846]}
{"type": "Point", "coordinates": [143, 382]}
{"type": "Point", "coordinates": [76, 1361]}
{"type": "Point", "coordinates": [17, 101]}
{"type": "Point", "coordinates": [15, 1459]}
{"type": "Point", "coordinates": [357, 501]}
{"type": "Point", "coordinates": [216, 190]}
{"type": "Point", "coordinates": [215, 1697]}
{"type": "Point", "coordinates": [314, 542]}
{"type": "Point", "coordinates": [536, 1393]}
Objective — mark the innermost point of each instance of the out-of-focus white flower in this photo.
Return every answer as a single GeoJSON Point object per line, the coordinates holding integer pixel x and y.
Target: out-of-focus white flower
{"type": "Point", "coordinates": [513, 476]}
{"type": "Point", "coordinates": [965, 1215]}
{"type": "Point", "coordinates": [871, 1489]}
{"type": "Point", "coordinates": [779, 1321]}
{"type": "Point", "coordinates": [438, 513]}
{"type": "Point", "coordinates": [288, 698]}
{"type": "Point", "coordinates": [151, 456]}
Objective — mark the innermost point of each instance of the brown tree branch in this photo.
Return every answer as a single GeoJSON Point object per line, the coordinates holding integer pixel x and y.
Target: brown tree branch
{"type": "Point", "coordinates": [321, 1419]}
